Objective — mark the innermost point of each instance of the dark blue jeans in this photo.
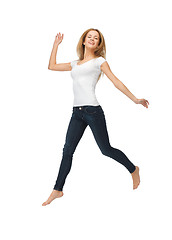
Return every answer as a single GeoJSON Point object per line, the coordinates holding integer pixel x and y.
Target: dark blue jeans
{"type": "Point", "coordinates": [95, 118]}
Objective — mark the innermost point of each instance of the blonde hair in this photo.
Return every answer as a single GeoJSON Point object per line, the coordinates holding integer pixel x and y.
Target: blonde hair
{"type": "Point", "coordinates": [100, 50]}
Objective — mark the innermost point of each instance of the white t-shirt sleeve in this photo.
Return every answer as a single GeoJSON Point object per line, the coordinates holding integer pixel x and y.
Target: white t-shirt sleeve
{"type": "Point", "coordinates": [100, 60]}
{"type": "Point", "coordinates": [72, 63]}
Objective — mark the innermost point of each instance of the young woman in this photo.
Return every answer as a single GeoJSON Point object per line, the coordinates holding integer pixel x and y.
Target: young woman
{"type": "Point", "coordinates": [86, 72]}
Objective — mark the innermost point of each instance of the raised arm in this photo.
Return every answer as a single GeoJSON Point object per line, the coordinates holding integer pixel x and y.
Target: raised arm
{"type": "Point", "coordinates": [119, 85]}
{"type": "Point", "coordinates": [52, 62]}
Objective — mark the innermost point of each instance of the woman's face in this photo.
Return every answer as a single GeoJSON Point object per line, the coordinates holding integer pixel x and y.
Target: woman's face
{"type": "Point", "coordinates": [92, 39]}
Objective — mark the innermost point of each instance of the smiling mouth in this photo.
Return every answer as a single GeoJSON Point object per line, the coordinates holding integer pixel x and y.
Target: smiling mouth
{"type": "Point", "coordinates": [91, 43]}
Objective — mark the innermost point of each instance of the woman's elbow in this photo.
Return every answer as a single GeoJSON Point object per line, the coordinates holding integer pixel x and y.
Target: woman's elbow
{"type": "Point", "coordinates": [49, 67]}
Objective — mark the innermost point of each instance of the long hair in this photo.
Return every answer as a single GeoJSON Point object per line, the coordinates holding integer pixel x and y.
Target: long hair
{"type": "Point", "coordinates": [100, 50]}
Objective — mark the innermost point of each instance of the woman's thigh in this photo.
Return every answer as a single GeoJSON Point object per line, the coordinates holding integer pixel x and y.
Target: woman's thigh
{"type": "Point", "coordinates": [74, 133]}
{"type": "Point", "coordinates": [98, 126]}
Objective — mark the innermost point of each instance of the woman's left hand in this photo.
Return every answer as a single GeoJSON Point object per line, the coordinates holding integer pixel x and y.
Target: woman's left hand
{"type": "Point", "coordinates": [143, 101]}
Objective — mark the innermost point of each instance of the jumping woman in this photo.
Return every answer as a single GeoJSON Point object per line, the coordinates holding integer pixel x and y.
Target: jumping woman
{"type": "Point", "coordinates": [85, 72]}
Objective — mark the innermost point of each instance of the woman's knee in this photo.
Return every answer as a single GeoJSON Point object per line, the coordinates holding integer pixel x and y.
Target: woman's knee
{"type": "Point", "coordinates": [106, 150]}
{"type": "Point", "coordinates": [67, 149]}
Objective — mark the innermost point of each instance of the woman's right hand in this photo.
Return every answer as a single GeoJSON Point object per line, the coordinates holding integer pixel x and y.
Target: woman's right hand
{"type": "Point", "coordinates": [58, 39]}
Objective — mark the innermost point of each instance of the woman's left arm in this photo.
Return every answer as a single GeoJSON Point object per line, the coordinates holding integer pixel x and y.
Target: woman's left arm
{"type": "Point", "coordinates": [119, 85]}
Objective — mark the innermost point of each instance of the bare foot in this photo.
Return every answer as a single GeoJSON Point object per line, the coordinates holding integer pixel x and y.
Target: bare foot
{"type": "Point", "coordinates": [136, 178]}
{"type": "Point", "coordinates": [53, 195]}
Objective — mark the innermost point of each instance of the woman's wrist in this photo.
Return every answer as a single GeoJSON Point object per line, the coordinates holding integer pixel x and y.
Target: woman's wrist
{"type": "Point", "coordinates": [55, 45]}
{"type": "Point", "coordinates": [136, 101]}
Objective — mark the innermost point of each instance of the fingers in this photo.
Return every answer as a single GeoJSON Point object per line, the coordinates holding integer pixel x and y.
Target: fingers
{"type": "Point", "coordinates": [59, 35]}
{"type": "Point", "coordinates": [146, 103]}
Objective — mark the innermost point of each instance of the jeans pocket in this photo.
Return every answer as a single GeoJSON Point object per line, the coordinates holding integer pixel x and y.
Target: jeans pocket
{"type": "Point", "coordinates": [91, 109]}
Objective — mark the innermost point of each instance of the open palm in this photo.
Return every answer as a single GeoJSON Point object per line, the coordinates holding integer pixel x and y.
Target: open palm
{"type": "Point", "coordinates": [58, 38]}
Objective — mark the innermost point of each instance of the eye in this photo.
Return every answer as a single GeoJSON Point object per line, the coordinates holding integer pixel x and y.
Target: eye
{"type": "Point", "coordinates": [95, 37]}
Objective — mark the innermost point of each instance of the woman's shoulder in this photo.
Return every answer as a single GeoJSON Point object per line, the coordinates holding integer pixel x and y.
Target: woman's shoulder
{"type": "Point", "coordinates": [73, 63]}
{"type": "Point", "coordinates": [100, 60]}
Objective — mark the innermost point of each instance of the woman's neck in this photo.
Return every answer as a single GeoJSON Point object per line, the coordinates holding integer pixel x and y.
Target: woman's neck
{"type": "Point", "coordinates": [88, 54]}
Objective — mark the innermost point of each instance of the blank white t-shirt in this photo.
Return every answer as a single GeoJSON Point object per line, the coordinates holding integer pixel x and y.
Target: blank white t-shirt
{"type": "Point", "coordinates": [85, 77]}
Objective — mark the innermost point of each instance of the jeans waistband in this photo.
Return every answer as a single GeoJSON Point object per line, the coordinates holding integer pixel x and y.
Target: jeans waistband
{"type": "Point", "coordinates": [85, 106]}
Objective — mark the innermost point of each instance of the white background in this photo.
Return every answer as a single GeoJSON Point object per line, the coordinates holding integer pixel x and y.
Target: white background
{"type": "Point", "coordinates": [36, 105]}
